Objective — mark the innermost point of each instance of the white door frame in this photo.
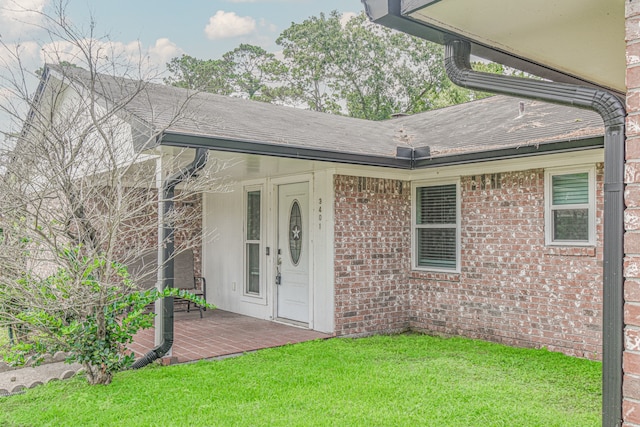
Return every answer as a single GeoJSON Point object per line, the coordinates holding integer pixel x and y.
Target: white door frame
{"type": "Point", "coordinates": [313, 226]}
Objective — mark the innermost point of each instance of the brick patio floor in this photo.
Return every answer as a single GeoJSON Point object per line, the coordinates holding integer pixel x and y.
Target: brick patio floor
{"type": "Point", "coordinates": [222, 333]}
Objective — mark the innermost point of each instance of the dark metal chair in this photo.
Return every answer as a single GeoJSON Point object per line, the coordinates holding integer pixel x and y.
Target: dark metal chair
{"type": "Point", "coordinates": [184, 278]}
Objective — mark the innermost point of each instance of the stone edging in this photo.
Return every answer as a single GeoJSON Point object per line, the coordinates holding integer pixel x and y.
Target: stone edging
{"type": "Point", "coordinates": [19, 388]}
{"type": "Point", "coordinates": [59, 356]}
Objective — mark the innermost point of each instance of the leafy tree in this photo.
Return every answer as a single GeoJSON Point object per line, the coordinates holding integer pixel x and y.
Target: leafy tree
{"type": "Point", "coordinates": [364, 70]}
{"type": "Point", "coordinates": [309, 50]}
{"type": "Point", "coordinates": [250, 70]}
{"type": "Point", "coordinates": [206, 75]}
{"type": "Point", "coordinates": [355, 68]}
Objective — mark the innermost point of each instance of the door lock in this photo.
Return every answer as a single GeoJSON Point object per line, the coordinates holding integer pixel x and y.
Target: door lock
{"type": "Point", "coordinates": [278, 275]}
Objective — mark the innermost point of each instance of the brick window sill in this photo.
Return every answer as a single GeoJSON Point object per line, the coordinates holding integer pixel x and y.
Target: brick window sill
{"type": "Point", "coordinates": [434, 275]}
{"type": "Point", "coordinates": [588, 251]}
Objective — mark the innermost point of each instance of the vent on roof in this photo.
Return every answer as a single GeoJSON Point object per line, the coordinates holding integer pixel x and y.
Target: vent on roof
{"type": "Point", "coordinates": [398, 115]}
{"type": "Point", "coordinates": [521, 108]}
{"type": "Point", "coordinates": [411, 153]}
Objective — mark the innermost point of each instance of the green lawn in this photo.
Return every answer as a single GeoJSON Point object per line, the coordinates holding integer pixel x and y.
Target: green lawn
{"type": "Point", "coordinates": [401, 380]}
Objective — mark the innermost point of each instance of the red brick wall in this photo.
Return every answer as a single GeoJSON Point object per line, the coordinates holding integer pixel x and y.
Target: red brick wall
{"type": "Point", "coordinates": [631, 359]}
{"type": "Point", "coordinates": [511, 289]}
{"type": "Point", "coordinates": [372, 240]}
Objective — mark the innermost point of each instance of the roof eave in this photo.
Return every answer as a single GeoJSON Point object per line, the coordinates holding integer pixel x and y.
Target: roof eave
{"type": "Point", "coordinates": [183, 140]}
{"type": "Point", "coordinates": [511, 153]}
{"type": "Point", "coordinates": [390, 13]}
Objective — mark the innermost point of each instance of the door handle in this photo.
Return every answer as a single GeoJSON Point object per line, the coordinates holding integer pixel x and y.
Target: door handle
{"type": "Point", "coordinates": [278, 275]}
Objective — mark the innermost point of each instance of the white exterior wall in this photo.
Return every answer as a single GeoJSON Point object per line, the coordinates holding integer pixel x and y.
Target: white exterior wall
{"type": "Point", "coordinates": [223, 249]}
{"type": "Point", "coordinates": [322, 211]}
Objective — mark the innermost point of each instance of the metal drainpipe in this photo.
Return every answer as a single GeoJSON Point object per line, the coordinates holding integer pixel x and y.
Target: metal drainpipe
{"type": "Point", "coordinates": [168, 255]}
{"type": "Point", "coordinates": [458, 68]}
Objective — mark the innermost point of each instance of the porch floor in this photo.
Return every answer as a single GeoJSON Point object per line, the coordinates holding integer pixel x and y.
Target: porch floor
{"type": "Point", "coordinates": [221, 333]}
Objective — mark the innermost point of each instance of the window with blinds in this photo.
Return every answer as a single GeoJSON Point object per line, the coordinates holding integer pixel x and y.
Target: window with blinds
{"type": "Point", "coordinates": [436, 227]}
{"type": "Point", "coordinates": [570, 216]}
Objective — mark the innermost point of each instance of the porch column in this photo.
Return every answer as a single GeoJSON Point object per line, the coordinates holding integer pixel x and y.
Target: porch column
{"type": "Point", "coordinates": [631, 356]}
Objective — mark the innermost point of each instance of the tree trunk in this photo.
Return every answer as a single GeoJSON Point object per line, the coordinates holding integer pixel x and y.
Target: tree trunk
{"type": "Point", "coordinates": [97, 374]}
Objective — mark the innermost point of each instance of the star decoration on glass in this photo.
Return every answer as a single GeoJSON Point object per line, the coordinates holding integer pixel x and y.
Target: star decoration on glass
{"type": "Point", "coordinates": [295, 232]}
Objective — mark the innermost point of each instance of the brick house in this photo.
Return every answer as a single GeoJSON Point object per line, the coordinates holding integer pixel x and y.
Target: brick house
{"type": "Point", "coordinates": [483, 219]}
{"type": "Point", "coordinates": [439, 221]}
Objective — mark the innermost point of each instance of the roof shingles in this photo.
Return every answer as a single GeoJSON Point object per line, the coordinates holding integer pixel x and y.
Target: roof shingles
{"type": "Point", "coordinates": [488, 124]}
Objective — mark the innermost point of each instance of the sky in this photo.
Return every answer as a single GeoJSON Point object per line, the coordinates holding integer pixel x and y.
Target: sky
{"type": "Point", "coordinates": [205, 29]}
{"type": "Point", "coordinates": [157, 30]}
{"type": "Point", "coordinates": [166, 29]}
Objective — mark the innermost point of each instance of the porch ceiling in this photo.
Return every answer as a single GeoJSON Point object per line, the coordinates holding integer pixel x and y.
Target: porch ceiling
{"type": "Point", "coordinates": [577, 41]}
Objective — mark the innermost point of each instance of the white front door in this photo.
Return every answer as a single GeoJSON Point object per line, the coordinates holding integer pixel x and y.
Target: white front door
{"type": "Point", "coordinates": [292, 282]}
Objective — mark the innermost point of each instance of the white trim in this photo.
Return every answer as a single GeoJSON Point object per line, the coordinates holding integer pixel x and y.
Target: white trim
{"type": "Point", "coordinates": [158, 305]}
{"type": "Point", "coordinates": [324, 261]}
{"type": "Point", "coordinates": [509, 165]}
{"type": "Point", "coordinates": [548, 226]}
{"type": "Point", "coordinates": [591, 156]}
{"type": "Point", "coordinates": [260, 297]}
{"type": "Point", "coordinates": [414, 241]}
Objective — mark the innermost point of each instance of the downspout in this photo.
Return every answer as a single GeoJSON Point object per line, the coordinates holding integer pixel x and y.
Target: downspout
{"type": "Point", "coordinates": [458, 68]}
{"type": "Point", "coordinates": [168, 255]}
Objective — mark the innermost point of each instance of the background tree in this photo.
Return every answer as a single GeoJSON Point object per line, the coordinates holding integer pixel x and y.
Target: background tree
{"type": "Point", "coordinates": [310, 50]}
{"type": "Point", "coordinates": [211, 75]}
{"type": "Point", "coordinates": [251, 69]}
{"type": "Point", "coordinates": [80, 201]}
{"type": "Point", "coordinates": [352, 67]}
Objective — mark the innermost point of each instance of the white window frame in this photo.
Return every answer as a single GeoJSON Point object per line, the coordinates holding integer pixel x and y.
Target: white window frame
{"type": "Point", "coordinates": [245, 242]}
{"type": "Point", "coordinates": [414, 226]}
{"type": "Point", "coordinates": [549, 208]}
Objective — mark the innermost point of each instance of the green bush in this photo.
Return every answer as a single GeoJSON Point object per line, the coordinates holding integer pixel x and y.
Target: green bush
{"type": "Point", "coordinates": [95, 336]}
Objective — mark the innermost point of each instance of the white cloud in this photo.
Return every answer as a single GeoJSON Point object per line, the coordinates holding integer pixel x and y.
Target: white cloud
{"type": "Point", "coordinates": [123, 57]}
{"type": "Point", "coordinates": [20, 17]}
{"type": "Point", "coordinates": [224, 25]}
{"type": "Point", "coordinates": [163, 51]}
{"type": "Point", "coordinates": [26, 54]}
{"type": "Point", "coordinates": [103, 52]}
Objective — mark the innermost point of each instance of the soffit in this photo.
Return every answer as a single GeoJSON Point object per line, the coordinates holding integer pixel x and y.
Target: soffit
{"type": "Point", "coordinates": [580, 38]}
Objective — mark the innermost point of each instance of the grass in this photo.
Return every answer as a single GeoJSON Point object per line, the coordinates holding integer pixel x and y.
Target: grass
{"type": "Point", "coordinates": [401, 380]}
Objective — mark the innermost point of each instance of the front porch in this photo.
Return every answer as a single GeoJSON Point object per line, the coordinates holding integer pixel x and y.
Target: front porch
{"type": "Point", "coordinates": [222, 333]}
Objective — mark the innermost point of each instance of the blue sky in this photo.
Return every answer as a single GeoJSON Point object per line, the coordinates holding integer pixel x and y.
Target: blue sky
{"type": "Point", "coordinates": [163, 29]}
{"type": "Point", "coordinates": [204, 29]}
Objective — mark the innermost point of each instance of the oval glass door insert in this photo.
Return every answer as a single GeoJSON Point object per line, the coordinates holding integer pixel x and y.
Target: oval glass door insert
{"type": "Point", "coordinates": [295, 232]}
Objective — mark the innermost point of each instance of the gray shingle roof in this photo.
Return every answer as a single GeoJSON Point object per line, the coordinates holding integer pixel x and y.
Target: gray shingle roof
{"type": "Point", "coordinates": [489, 124]}
{"type": "Point", "coordinates": [496, 123]}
